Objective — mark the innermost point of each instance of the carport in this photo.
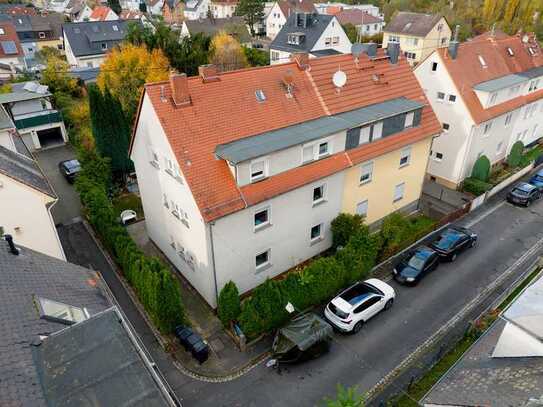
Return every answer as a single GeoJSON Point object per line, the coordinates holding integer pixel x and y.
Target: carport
{"type": "Point", "coordinates": [50, 137]}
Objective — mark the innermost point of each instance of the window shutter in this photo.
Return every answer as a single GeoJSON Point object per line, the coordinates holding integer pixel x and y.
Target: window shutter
{"type": "Point", "coordinates": [353, 138]}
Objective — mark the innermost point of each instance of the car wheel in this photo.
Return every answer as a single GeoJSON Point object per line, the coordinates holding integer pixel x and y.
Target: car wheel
{"type": "Point", "coordinates": [528, 203]}
{"type": "Point", "coordinates": [358, 327]}
{"type": "Point", "coordinates": [389, 303]}
{"type": "Point", "coordinates": [453, 257]}
{"type": "Point", "coordinates": [473, 243]}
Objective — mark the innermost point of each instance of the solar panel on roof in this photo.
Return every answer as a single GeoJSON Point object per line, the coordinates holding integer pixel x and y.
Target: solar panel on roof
{"type": "Point", "coordinates": [9, 47]}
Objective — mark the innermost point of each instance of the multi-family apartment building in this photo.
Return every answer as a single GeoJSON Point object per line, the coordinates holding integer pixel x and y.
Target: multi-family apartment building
{"type": "Point", "coordinates": [487, 94]}
{"type": "Point", "coordinates": [418, 34]}
{"type": "Point", "coordinates": [241, 173]}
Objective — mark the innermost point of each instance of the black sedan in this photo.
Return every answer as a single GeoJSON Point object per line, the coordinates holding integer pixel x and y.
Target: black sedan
{"type": "Point", "coordinates": [452, 241]}
{"type": "Point", "coordinates": [523, 194]}
{"type": "Point", "coordinates": [70, 169]}
{"type": "Point", "coordinates": [416, 265]}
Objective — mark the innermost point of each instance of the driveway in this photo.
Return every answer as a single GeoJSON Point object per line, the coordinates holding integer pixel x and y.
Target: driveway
{"type": "Point", "coordinates": [68, 206]}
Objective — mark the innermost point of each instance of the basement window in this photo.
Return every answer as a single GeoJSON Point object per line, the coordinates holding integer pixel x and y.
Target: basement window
{"type": "Point", "coordinates": [59, 312]}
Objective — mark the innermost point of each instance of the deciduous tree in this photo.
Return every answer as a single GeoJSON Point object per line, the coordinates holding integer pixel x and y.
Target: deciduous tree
{"type": "Point", "coordinates": [226, 53]}
{"type": "Point", "coordinates": [252, 12]}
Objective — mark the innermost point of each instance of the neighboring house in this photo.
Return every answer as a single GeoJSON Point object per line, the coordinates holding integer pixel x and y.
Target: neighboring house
{"type": "Point", "coordinates": [134, 15]}
{"type": "Point", "coordinates": [281, 10]}
{"type": "Point", "coordinates": [418, 34]}
{"type": "Point", "coordinates": [503, 367]}
{"type": "Point", "coordinates": [57, 6]}
{"type": "Point", "coordinates": [316, 34]}
{"type": "Point", "coordinates": [154, 7]}
{"type": "Point", "coordinates": [84, 14]}
{"type": "Point", "coordinates": [99, 13]}
{"type": "Point", "coordinates": [487, 94]}
{"type": "Point", "coordinates": [242, 173]}
{"type": "Point", "coordinates": [223, 8]}
{"type": "Point", "coordinates": [234, 26]}
{"type": "Point", "coordinates": [365, 24]}
{"type": "Point", "coordinates": [334, 8]}
{"type": "Point", "coordinates": [37, 31]}
{"type": "Point", "coordinates": [172, 12]}
{"type": "Point", "coordinates": [85, 76]}
{"type": "Point", "coordinates": [29, 106]}
{"type": "Point", "coordinates": [7, 8]}
{"type": "Point", "coordinates": [88, 43]}
{"type": "Point", "coordinates": [74, 8]}
{"type": "Point", "coordinates": [131, 5]}
{"type": "Point", "coordinates": [196, 9]}
{"type": "Point", "coordinates": [63, 343]}
{"type": "Point", "coordinates": [11, 52]}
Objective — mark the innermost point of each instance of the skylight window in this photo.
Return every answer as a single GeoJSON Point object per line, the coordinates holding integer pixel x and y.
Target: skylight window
{"type": "Point", "coordinates": [260, 96]}
{"type": "Point", "coordinates": [510, 52]}
{"type": "Point", "coordinates": [482, 61]}
{"type": "Point", "coordinates": [59, 312]}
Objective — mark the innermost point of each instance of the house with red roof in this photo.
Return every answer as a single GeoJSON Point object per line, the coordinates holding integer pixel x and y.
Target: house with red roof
{"type": "Point", "coordinates": [241, 173]}
{"type": "Point", "coordinates": [99, 13]}
{"type": "Point", "coordinates": [281, 11]}
{"type": "Point", "coordinates": [487, 93]}
{"type": "Point", "coordinates": [11, 52]}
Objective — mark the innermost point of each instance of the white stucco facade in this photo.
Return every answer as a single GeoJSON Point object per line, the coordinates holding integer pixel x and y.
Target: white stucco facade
{"type": "Point", "coordinates": [223, 10]}
{"type": "Point", "coordinates": [90, 61]}
{"type": "Point", "coordinates": [275, 21]}
{"type": "Point", "coordinates": [196, 9]}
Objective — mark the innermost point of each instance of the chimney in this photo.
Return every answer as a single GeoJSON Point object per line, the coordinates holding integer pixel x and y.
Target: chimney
{"type": "Point", "coordinates": [370, 49]}
{"type": "Point", "coordinates": [179, 84]}
{"type": "Point", "coordinates": [453, 45]}
{"type": "Point", "coordinates": [301, 59]}
{"type": "Point", "coordinates": [208, 73]}
{"type": "Point", "coordinates": [393, 52]}
{"type": "Point", "coordinates": [12, 249]}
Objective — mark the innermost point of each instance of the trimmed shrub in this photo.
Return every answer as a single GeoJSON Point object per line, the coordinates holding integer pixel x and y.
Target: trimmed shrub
{"type": "Point", "coordinates": [475, 186]}
{"type": "Point", "coordinates": [481, 169]}
{"type": "Point", "coordinates": [530, 156]}
{"type": "Point", "coordinates": [514, 157]}
{"type": "Point", "coordinates": [228, 307]}
{"type": "Point", "coordinates": [343, 227]}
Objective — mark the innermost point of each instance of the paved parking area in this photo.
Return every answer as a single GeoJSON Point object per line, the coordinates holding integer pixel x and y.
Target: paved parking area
{"type": "Point", "coordinates": [68, 206]}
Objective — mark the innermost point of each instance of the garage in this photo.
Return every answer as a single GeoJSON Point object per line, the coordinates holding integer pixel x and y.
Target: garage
{"type": "Point", "coordinates": [50, 137]}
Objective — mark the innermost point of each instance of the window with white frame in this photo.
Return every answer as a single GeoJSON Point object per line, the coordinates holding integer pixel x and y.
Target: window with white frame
{"type": "Point", "coordinates": [399, 192]}
{"type": "Point", "coordinates": [180, 251]}
{"type": "Point", "coordinates": [41, 34]}
{"type": "Point", "coordinates": [262, 218]}
{"type": "Point", "coordinates": [172, 242]}
{"type": "Point", "coordinates": [366, 172]}
{"type": "Point", "coordinates": [409, 119]}
{"type": "Point", "coordinates": [405, 156]}
{"type": "Point", "coordinates": [316, 233]}
{"type": "Point", "coordinates": [493, 98]}
{"type": "Point", "coordinates": [440, 96]}
{"type": "Point", "coordinates": [259, 170]}
{"type": "Point", "coordinates": [318, 194]}
{"type": "Point", "coordinates": [154, 157]}
{"type": "Point", "coordinates": [533, 85]}
{"type": "Point", "coordinates": [508, 119]}
{"type": "Point", "coordinates": [311, 152]}
{"type": "Point", "coordinates": [394, 38]}
{"type": "Point", "coordinates": [2, 32]}
{"type": "Point", "coordinates": [327, 41]}
{"type": "Point", "coordinates": [263, 259]}
{"type": "Point", "coordinates": [446, 126]}
{"type": "Point", "coordinates": [487, 128]}
{"type": "Point", "coordinates": [438, 156]}
{"type": "Point", "coordinates": [362, 208]}
{"type": "Point", "coordinates": [275, 55]}
{"type": "Point", "coordinates": [335, 40]}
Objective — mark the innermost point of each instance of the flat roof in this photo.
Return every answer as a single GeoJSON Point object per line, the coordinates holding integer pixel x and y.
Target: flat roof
{"type": "Point", "coordinates": [268, 142]}
{"type": "Point", "coordinates": [508, 80]}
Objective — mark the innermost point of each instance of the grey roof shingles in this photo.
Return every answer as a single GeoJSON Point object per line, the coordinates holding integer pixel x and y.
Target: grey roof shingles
{"type": "Point", "coordinates": [312, 32]}
{"type": "Point", "coordinates": [86, 38]}
{"type": "Point", "coordinates": [21, 278]}
{"type": "Point", "coordinates": [417, 24]}
{"type": "Point", "coordinates": [265, 143]}
{"type": "Point", "coordinates": [509, 80]}
{"type": "Point", "coordinates": [24, 170]}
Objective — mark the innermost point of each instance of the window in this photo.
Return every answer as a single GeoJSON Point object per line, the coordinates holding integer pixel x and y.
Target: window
{"type": "Point", "coordinates": [165, 201]}
{"type": "Point", "coordinates": [318, 194]}
{"type": "Point", "coordinates": [316, 233]}
{"type": "Point", "coordinates": [446, 126]}
{"type": "Point", "coordinates": [60, 312]}
{"type": "Point", "coordinates": [440, 96]}
{"type": "Point", "coordinates": [295, 39]}
{"type": "Point", "coordinates": [2, 32]}
{"type": "Point", "coordinates": [452, 98]}
{"type": "Point", "coordinates": [169, 166]}
{"type": "Point", "coordinates": [262, 218]}
{"type": "Point", "coordinates": [154, 158]}
{"type": "Point", "coordinates": [394, 38]}
{"type": "Point", "coordinates": [409, 119]}
{"type": "Point", "coordinates": [335, 40]}
{"type": "Point", "coordinates": [259, 170]}
{"type": "Point", "coordinates": [531, 51]}
{"type": "Point", "coordinates": [323, 149]}
{"type": "Point", "coordinates": [366, 172]}
{"type": "Point", "coordinates": [508, 119]}
{"type": "Point", "coordinates": [438, 157]}
{"type": "Point", "coordinates": [260, 95]}
{"type": "Point", "coordinates": [104, 46]}
{"type": "Point", "coordinates": [115, 28]}
{"type": "Point", "coordinates": [41, 35]}
{"type": "Point", "coordinates": [362, 208]}
{"type": "Point", "coordinates": [313, 152]}
{"type": "Point", "coordinates": [444, 41]}
{"type": "Point", "coordinates": [533, 85]}
{"type": "Point", "coordinates": [499, 147]}
{"type": "Point", "coordinates": [175, 209]}
{"type": "Point", "coordinates": [405, 157]}
{"type": "Point", "coordinates": [434, 66]}
{"type": "Point", "coordinates": [487, 127]}
{"type": "Point", "coordinates": [398, 192]}
{"type": "Point", "coordinates": [275, 55]}
{"type": "Point", "coordinates": [410, 55]}
{"type": "Point", "coordinates": [307, 154]}
{"type": "Point", "coordinates": [514, 90]}
{"type": "Point", "coordinates": [262, 260]}
{"type": "Point", "coordinates": [493, 98]}
{"type": "Point", "coordinates": [482, 61]}
{"type": "Point", "coordinates": [327, 41]}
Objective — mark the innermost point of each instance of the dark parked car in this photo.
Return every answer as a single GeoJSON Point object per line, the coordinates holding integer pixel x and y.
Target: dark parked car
{"type": "Point", "coordinates": [70, 169]}
{"type": "Point", "coordinates": [537, 180]}
{"type": "Point", "coordinates": [193, 343]}
{"type": "Point", "coordinates": [523, 194]}
{"type": "Point", "coordinates": [452, 241]}
{"type": "Point", "coordinates": [416, 265]}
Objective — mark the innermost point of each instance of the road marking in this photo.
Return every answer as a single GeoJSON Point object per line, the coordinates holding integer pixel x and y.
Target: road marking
{"type": "Point", "coordinates": [485, 214]}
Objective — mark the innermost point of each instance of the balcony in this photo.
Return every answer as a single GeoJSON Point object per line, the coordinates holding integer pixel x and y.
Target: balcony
{"type": "Point", "coordinates": [35, 119]}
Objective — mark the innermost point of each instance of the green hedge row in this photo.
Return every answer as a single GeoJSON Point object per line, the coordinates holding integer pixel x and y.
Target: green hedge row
{"type": "Point", "coordinates": [152, 281]}
{"type": "Point", "coordinates": [475, 186]}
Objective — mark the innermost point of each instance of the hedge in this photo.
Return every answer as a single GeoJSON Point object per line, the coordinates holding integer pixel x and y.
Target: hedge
{"type": "Point", "coordinates": [475, 186]}
{"type": "Point", "coordinates": [343, 227]}
{"type": "Point", "coordinates": [151, 279]}
{"type": "Point", "coordinates": [514, 157]}
{"type": "Point", "coordinates": [481, 169]}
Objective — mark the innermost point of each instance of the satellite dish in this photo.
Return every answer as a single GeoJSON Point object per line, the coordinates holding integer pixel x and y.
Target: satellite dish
{"type": "Point", "coordinates": [357, 50]}
{"type": "Point", "coordinates": [339, 79]}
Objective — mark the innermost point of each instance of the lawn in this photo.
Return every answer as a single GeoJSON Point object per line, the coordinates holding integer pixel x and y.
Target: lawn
{"type": "Point", "coordinates": [128, 201]}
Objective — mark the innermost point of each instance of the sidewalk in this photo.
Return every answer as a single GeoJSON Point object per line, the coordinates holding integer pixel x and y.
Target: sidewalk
{"type": "Point", "coordinates": [225, 361]}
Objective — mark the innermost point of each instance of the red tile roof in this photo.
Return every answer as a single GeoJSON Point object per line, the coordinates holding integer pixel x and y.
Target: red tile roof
{"type": "Point", "coordinates": [292, 6]}
{"type": "Point", "coordinates": [100, 13]}
{"type": "Point", "coordinates": [466, 70]}
{"type": "Point", "coordinates": [227, 110]}
{"type": "Point", "coordinates": [130, 15]}
{"type": "Point", "coordinates": [10, 35]}
{"type": "Point", "coordinates": [357, 17]}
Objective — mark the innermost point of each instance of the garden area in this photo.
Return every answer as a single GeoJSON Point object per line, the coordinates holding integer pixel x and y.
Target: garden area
{"type": "Point", "coordinates": [484, 177]}
{"type": "Point", "coordinates": [355, 252]}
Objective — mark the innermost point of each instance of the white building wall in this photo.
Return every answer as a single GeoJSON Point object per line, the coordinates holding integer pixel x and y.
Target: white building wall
{"type": "Point", "coordinates": [223, 10]}
{"type": "Point", "coordinates": [275, 21]}
{"type": "Point", "coordinates": [279, 57]}
{"type": "Point", "coordinates": [23, 214]}
{"type": "Point", "coordinates": [292, 215]}
{"type": "Point", "coordinates": [334, 29]}
{"type": "Point", "coordinates": [161, 225]}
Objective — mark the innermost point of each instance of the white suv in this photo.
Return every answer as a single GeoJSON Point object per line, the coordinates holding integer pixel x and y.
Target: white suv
{"type": "Point", "coordinates": [358, 303]}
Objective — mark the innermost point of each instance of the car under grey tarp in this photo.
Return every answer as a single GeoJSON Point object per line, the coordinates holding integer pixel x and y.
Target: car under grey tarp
{"type": "Point", "coordinates": [303, 332]}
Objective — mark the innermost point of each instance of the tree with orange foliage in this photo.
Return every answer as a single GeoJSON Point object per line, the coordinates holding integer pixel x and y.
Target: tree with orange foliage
{"type": "Point", "coordinates": [125, 71]}
{"type": "Point", "coordinates": [226, 53]}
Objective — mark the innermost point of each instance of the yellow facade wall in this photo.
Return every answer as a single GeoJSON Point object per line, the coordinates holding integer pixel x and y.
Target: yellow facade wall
{"type": "Point", "coordinates": [50, 43]}
{"type": "Point", "coordinates": [386, 175]}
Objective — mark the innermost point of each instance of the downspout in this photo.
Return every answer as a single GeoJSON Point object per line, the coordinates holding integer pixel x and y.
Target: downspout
{"type": "Point", "coordinates": [213, 262]}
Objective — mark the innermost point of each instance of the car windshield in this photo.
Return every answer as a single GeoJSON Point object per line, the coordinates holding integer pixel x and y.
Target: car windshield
{"type": "Point", "coordinates": [72, 165]}
{"type": "Point", "coordinates": [538, 177]}
{"type": "Point", "coordinates": [447, 239]}
{"type": "Point", "coordinates": [416, 262]}
{"type": "Point", "coordinates": [520, 192]}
